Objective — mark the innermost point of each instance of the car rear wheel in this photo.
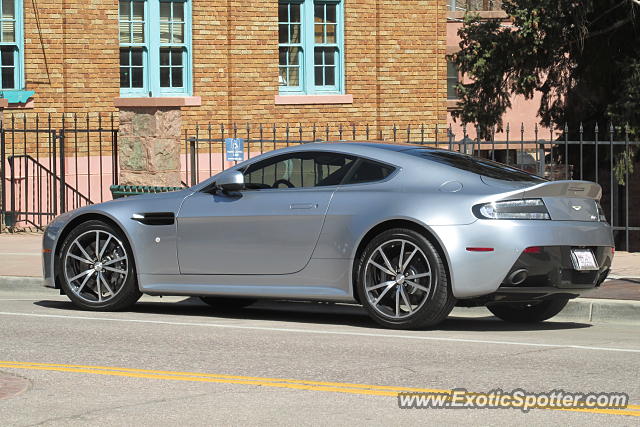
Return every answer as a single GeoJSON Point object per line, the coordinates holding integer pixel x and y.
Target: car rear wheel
{"type": "Point", "coordinates": [96, 268]}
{"type": "Point", "coordinates": [528, 312]}
{"type": "Point", "coordinates": [222, 303]}
{"type": "Point", "coordinates": [402, 281]}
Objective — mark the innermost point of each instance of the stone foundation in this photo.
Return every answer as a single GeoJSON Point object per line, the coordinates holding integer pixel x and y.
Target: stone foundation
{"type": "Point", "coordinates": [149, 146]}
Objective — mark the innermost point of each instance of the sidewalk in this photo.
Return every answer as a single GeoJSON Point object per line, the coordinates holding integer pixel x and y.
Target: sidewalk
{"type": "Point", "coordinates": [20, 256]}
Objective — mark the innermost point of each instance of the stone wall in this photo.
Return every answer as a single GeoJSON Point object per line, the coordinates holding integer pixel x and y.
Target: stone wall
{"type": "Point", "coordinates": [149, 146]}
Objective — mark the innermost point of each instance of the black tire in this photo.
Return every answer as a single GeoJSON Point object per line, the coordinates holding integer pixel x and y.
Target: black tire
{"type": "Point", "coordinates": [223, 303]}
{"type": "Point", "coordinates": [125, 291]}
{"type": "Point", "coordinates": [528, 312]}
{"type": "Point", "coordinates": [437, 300]}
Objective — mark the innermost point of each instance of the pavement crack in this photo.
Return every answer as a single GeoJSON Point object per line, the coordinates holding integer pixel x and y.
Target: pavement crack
{"type": "Point", "coordinates": [81, 416]}
{"type": "Point", "coordinates": [538, 350]}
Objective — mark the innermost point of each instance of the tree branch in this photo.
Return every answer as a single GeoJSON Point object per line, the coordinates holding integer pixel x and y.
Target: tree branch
{"type": "Point", "coordinates": [612, 27]}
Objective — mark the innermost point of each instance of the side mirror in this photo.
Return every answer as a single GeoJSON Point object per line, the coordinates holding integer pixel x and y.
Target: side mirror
{"type": "Point", "coordinates": [230, 181]}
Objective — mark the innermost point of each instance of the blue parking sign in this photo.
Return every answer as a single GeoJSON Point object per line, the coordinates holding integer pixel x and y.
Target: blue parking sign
{"type": "Point", "coordinates": [235, 149]}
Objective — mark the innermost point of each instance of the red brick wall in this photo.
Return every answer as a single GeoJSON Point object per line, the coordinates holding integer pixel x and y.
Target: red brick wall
{"type": "Point", "coordinates": [394, 55]}
{"type": "Point", "coordinates": [71, 54]}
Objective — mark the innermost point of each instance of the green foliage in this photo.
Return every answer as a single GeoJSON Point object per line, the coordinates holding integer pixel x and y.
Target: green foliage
{"type": "Point", "coordinates": [581, 56]}
{"type": "Point", "coordinates": [626, 109]}
{"type": "Point", "coordinates": [622, 166]}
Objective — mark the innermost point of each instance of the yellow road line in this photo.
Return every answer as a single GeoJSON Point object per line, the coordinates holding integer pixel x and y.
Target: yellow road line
{"type": "Point", "coordinates": [235, 377]}
{"type": "Point", "coordinates": [359, 389]}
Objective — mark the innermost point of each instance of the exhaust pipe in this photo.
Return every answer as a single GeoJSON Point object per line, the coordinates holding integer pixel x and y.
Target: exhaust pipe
{"type": "Point", "coordinates": [518, 276]}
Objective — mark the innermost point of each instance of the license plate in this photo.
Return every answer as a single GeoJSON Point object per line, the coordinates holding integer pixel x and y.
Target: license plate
{"type": "Point", "coordinates": [583, 259]}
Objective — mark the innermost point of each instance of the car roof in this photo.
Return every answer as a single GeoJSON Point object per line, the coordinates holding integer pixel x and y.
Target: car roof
{"type": "Point", "coordinates": [375, 145]}
{"type": "Point", "coordinates": [358, 147]}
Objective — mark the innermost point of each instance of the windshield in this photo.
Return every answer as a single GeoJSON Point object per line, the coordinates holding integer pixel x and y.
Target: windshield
{"type": "Point", "coordinates": [476, 165]}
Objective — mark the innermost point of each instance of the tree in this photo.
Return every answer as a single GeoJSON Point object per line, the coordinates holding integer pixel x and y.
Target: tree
{"type": "Point", "coordinates": [582, 56]}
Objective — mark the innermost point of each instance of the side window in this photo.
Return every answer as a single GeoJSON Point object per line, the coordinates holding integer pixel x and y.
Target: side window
{"type": "Point", "coordinates": [369, 171]}
{"type": "Point", "coordinates": [298, 170]}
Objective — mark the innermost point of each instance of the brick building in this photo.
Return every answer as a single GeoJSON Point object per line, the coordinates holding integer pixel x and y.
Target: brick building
{"type": "Point", "coordinates": [158, 69]}
{"type": "Point", "coordinates": [264, 61]}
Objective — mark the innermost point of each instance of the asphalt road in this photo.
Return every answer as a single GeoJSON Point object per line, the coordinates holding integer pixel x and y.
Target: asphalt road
{"type": "Point", "coordinates": [174, 360]}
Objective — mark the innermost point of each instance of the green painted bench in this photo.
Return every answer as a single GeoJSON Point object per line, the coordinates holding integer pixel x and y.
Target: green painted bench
{"type": "Point", "coordinates": [118, 191]}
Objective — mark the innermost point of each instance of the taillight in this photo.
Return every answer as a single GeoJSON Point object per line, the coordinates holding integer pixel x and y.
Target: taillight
{"type": "Point", "coordinates": [512, 209]}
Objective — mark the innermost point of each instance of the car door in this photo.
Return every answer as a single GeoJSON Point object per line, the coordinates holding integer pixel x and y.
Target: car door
{"type": "Point", "coordinates": [270, 227]}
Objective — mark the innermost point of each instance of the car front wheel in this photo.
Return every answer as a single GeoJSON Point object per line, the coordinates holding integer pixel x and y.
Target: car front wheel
{"type": "Point", "coordinates": [96, 268]}
{"type": "Point", "coordinates": [402, 281]}
{"type": "Point", "coordinates": [528, 312]}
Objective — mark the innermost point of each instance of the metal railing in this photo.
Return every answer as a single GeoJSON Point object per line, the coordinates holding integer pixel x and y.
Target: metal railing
{"type": "Point", "coordinates": [54, 163]}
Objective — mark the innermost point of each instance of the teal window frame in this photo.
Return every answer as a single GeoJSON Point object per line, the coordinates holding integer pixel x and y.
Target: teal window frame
{"type": "Point", "coordinates": [18, 48]}
{"type": "Point", "coordinates": [453, 78]}
{"type": "Point", "coordinates": [144, 90]}
{"type": "Point", "coordinates": [307, 84]}
{"type": "Point", "coordinates": [151, 54]}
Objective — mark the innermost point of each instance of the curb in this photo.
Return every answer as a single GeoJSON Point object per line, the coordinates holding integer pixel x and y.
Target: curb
{"type": "Point", "coordinates": [594, 310]}
{"type": "Point", "coordinates": [583, 310]}
{"type": "Point", "coordinates": [589, 310]}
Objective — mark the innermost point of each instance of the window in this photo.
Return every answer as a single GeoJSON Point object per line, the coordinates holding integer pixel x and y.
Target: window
{"type": "Point", "coordinates": [475, 165]}
{"type": "Point", "coordinates": [475, 5]}
{"type": "Point", "coordinates": [11, 44]}
{"type": "Point", "coordinates": [310, 46]}
{"type": "Point", "coordinates": [452, 80]}
{"type": "Point", "coordinates": [298, 170]}
{"type": "Point", "coordinates": [369, 171]}
{"type": "Point", "coordinates": [155, 47]}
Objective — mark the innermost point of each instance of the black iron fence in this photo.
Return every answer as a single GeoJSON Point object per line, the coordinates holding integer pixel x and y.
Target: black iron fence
{"type": "Point", "coordinates": [604, 155]}
{"type": "Point", "coordinates": [54, 163]}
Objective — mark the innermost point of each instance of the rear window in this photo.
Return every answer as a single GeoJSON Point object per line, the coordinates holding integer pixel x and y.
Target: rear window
{"type": "Point", "coordinates": [368, 171]}
{"type": "Point", "coordinates": [476, 165]}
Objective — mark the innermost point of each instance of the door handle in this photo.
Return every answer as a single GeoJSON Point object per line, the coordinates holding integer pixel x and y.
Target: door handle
{"type": "Point", "coordinates": [303, 206]}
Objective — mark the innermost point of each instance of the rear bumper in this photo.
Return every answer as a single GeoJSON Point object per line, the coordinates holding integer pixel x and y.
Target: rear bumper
{"type": "Point", "coordinates": [550, 273]}
{"type": "Point", "coordinates": [517, 294]}
{"type": "Point", "coordinates": [478, 274]}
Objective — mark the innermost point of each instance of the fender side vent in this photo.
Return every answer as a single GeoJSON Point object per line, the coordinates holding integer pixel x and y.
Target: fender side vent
{"type": "Point", "coordinates": [155, 218]}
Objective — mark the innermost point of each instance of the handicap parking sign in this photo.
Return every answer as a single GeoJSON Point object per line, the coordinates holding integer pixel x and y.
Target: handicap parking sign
{"type": "Point", "coordinates": [235, 149]}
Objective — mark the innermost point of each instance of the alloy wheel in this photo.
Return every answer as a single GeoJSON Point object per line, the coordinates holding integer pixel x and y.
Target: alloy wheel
{"type": "Point", "coordinates": [96, 266]}
{"type": "Point", "coordinates": [398, 278]}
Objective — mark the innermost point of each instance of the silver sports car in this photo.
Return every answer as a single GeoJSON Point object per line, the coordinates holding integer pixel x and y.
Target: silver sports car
{"type": "Point", "coordinates": [406, 231]}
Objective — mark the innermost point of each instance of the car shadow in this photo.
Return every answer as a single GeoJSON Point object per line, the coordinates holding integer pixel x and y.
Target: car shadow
{"type": "Point", "coordinates": [291, 312]}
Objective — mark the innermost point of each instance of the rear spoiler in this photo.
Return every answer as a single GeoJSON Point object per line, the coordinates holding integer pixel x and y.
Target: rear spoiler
{"type": "Point", "coordinates": [578, 189]}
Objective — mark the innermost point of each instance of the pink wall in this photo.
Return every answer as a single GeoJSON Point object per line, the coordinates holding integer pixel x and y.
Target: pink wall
{"type": "Point", "coordinates": [34, 191]}
{"type": "Point", "coordinates": [523, 111]}
{"type": "Point", "coordinates": [91, 176]}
